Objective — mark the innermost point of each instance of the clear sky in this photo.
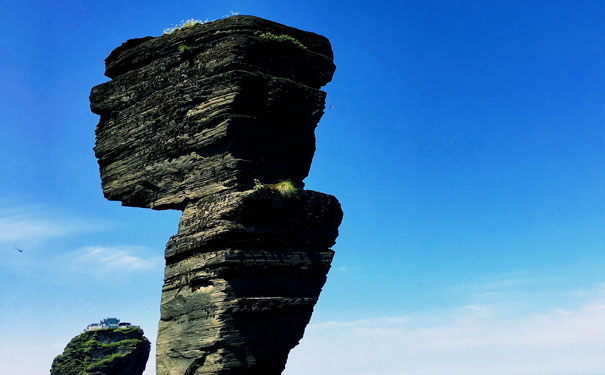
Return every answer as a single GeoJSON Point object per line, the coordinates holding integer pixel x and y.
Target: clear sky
{"type": "Point", "coordinates": [464, 140]}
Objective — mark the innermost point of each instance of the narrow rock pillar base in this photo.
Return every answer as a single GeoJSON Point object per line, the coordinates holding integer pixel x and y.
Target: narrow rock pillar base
{"type": "Point", "coordinates": [242, 277]}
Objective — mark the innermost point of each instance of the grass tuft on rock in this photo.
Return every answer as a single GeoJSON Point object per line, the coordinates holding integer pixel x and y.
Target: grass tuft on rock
{"type": "Point", "coordinates": [285, 188]}
{"type": "Point", "coordinates": [184, 24]}
{"type": "Point", "coordinates": [282, 38]}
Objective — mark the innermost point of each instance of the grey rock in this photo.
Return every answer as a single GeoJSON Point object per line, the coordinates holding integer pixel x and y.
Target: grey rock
{"type": "Point", "coordinates": [208, 120]}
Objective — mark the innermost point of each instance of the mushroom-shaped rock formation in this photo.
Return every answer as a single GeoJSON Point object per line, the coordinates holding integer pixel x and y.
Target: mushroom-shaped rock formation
{"type": "Point", "coordinates": [211, 119]}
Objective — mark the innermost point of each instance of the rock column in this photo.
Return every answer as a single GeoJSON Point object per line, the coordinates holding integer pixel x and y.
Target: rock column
{"type": "Point", "coordinates": [218, 120]}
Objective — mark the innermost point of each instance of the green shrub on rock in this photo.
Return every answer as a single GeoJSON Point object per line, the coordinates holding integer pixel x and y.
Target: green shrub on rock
{"type": "Point", "coordinates": [285, 188]}
{"type": "Point", "coordinates": [120, 351]}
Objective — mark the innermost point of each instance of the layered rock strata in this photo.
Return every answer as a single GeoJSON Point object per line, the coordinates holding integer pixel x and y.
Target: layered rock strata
{"type": "Point", "coordinates": [210, 120]}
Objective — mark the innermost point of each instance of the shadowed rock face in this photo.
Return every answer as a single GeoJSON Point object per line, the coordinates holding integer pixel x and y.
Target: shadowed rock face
{"type": "Point", "coordinates": [209, 108]}
{"type": "Point", "coordinates": [189, 121]}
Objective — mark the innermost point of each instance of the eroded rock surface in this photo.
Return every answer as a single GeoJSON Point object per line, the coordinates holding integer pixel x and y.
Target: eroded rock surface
{"type": "Point", "coordinates": [109, 351]}
{"type": "Point", "coordinates": [207, 120]}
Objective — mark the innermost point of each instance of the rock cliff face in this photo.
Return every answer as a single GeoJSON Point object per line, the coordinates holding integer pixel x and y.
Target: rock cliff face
{"type": "Point", "coordinates": [121, 351]}
{"type": "Point", "coordinates": [210, 120]}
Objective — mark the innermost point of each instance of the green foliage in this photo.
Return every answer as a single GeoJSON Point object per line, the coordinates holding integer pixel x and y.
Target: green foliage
{"type": "Point", "coordinates": [106, 361]}
{"type": "Point", "coordinates": [103, 351]}
{"type": "Point", "coordinates": [184, 24]}
{"type": "Point", "coordinates": [282, 38]}
{"type": "Point", "coordinates": [285, 188]}
{"type": "Point", "coordinates": [94, 344]}
{"type": "Point", "coordinates": [257, 184]}
{"type": "Point", "coordinates": [129, 329]}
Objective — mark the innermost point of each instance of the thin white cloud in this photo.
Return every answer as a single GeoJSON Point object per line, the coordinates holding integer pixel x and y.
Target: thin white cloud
{"type": "Point", "coordinates": [473, 340]}
{"type": "Point", "coordinates": [34, 224]}
{"type": "Point", "coordinates": [14, 229]}
{"type": "Point", "coordinates": [121, 258]}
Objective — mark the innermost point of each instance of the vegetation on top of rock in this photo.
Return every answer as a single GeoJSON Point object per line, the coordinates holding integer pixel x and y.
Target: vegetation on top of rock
{"type": "Point", "coordinates": [183, 48]}
{"type": "Point", "coordinates": [282, 38]}
{"type": "Point", "coordinates": [115, 351]}
{"type": "Point", "coordinates": [192, 22]}
{"type": "Point", "coordinates": [128, 330]}
{"type": "Point", "coordinates": [184, 24]}
{"type": "Point", "coordinates": [285, 187]}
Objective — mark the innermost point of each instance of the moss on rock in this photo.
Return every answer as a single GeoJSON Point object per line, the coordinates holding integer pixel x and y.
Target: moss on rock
{"type": "Point", "coordinates": [121, 351]}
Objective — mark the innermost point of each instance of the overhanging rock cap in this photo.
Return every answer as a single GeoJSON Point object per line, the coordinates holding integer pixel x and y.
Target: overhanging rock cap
{"type": "Point", "coordinates": [209, 108]}
{"type": "Point", "coordinates": [137, 52]}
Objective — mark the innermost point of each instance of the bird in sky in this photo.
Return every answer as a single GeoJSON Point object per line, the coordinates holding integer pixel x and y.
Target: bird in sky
{"type": "Point", "coordinates": [20, 250]}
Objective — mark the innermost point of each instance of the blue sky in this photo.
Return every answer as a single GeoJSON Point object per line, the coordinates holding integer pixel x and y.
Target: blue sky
{"type": "Point", "coordinates": [464, 140]}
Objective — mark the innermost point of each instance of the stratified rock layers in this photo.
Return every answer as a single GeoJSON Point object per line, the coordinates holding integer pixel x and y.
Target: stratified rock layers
{"type": "Point", "coordinates": [242, 277]}
{"type": "Point", "coordinates": [189, 121]}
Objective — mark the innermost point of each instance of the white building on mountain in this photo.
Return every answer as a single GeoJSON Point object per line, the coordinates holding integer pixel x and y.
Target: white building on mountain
{"type": "Point", "coordinates": [107, 323]}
